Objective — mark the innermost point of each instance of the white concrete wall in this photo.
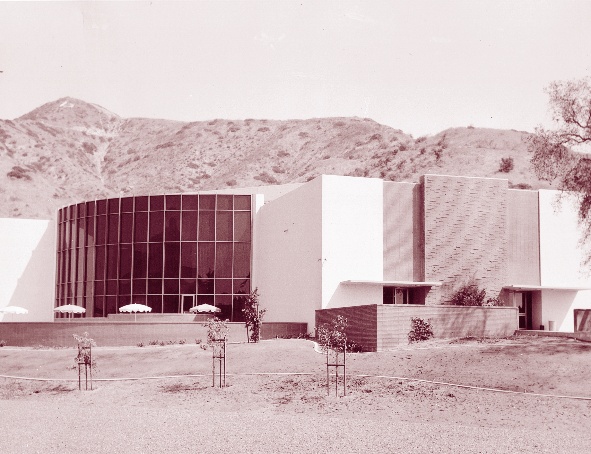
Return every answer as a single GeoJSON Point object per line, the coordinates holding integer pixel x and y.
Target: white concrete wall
{"type": "Point", "coordinates": [352, 239]}
{"type": "Point", "coordinates": [27, 268]}
{"type": "Point", "coordinates": [561, 261]}
{"type": "Point", "coordinates": [287, 253]}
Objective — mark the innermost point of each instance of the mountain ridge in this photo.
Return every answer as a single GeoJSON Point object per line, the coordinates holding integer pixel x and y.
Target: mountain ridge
{"type": "Point", "coordinates": [68, 150]}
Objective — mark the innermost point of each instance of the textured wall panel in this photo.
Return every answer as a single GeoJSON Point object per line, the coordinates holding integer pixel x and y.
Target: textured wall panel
{"type": "Point", "coordinates": [523, 248]}
{"type": "Point", "coordinates": [403, 258]}
{"type": "Point", "coordinates": [465, 222]}
{"type": "Point", "coordinates": [362, 321]}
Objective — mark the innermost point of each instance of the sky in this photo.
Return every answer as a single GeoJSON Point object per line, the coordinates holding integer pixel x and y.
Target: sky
{"type": "Point", "coordinates": [420, 66]}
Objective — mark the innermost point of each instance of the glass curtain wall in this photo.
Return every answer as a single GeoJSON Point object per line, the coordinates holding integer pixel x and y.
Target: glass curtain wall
{"type": "Point", "coordinates": [169, 252]}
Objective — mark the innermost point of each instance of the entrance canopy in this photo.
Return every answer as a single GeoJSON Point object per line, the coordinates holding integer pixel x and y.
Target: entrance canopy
{"type": "Point", "coordinates": [528, 288]}
{"type": "Point", "coordinates": [400, 284]}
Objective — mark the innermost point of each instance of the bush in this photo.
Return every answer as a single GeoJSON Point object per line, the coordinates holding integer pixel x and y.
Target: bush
{"type": "Point", "coordinates": [506, 165]}
{"type": "Point", "coordinates": [420, 330]}
{"type": "Point", "coordinates": [468, 295]}
{"type": "Point", "coordinates": [333, 336]}
{"type": "Point", "coordinates": [253, 316]}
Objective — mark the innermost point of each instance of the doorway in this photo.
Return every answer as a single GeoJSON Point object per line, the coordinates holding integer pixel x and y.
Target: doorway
{"type": "Point", "coordinates": [186, 303]}
{"type": "Point", "coordinates": [523, 301]}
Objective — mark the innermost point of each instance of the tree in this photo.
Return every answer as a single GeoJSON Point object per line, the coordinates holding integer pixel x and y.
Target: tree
{"type": "Point", "coordinates": [253, 316]}
{"type": "Point", "coordinates": [563, 154]}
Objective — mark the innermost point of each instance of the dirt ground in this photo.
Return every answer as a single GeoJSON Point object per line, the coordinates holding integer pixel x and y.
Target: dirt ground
{"type": "Point", "coordinates": [537, 398]}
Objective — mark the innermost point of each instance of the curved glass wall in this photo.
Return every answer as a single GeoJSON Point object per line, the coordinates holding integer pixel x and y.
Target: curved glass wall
{"type": "Point", "coordinates": [170, 252]}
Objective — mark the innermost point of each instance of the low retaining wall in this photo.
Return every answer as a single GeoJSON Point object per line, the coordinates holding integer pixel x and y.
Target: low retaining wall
{"type": "Point", "coordinates": [107, 333]}
{"type": "Point", "coordinates": [382, 327]}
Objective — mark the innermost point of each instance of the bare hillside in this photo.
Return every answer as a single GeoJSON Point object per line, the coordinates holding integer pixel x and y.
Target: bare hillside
{"type": "Point", "coordinates": [69, 150]}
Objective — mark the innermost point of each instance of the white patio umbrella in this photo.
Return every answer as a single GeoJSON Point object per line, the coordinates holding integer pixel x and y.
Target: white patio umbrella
{"type": "Point", "coordinates": [204, 308]}
{"type": "Point", "coordinates": [70, 309]}
{"type": "Point", "coordinates": [135, 308]}
{"type": "Point", "coordinates": [14, 310]}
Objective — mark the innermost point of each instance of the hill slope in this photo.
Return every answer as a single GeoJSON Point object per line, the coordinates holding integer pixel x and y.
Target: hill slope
{"type": "Point", "coordinates": [68, 150]}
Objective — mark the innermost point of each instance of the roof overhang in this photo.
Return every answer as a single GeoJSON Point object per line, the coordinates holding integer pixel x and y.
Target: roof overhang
{"type": "Point", "coordinates": [527, 287]}
{"type": "Point", "coordinates": [401, 284]}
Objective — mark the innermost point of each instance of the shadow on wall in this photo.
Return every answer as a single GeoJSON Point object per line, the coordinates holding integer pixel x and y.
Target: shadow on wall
{"type": "Point", "coordinates": [35, 286]}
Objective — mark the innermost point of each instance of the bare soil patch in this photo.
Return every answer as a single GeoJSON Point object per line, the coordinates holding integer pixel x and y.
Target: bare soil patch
{"type": "Point", "coordinates": [276, 399]}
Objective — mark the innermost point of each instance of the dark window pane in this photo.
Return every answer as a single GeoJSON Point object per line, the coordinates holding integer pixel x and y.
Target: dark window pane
{"type": "Point", "coordinates": [155, 260]}
{"type": "Point", "coordinates": [223, 260]}
{"type": "Point", "coordinates": [101, 206]}
{"type": "Point", "coordinates": [90, 237]}
{"type": "Point", "coordinates": [112, 287]}
{"type": "Point", "coordinates": [171, 304]}
{"type": "Point", "coordinates": [171, 259]}
{"type": "Point", "coordinates": [188, 286]}
{"type": "Point", "coordinates": [224, 302]}
{"type": "Point", "coordinates": [223, 286]}
{"type": "Point", "coordinates": [81, 226]}
{"type": "Point", "coordinates": [126, 228]}
{"type": "Point", "coordinates": [206, 225]}
{"type": "Point", "coordinates": [190, 202]}
{"type": "Point", "coordinates": [81, 210]}
{"type": "Point", "coordinates": [173, 226]}
{"type": "Point", "coordinates": [100, 263]}
{"type": "Point", "coordinates": [155, 302]}
{"type": "Point", "coordinates": [113, 228]}
{"type": "Point", "coordinates": [189, 229]}
{"type": "Point", "coordinates": [156, 226]}
{"type": "Point", "coordinates": [224, 202]}
{"type": "Point", "coordinates": [113, 206]}
{"type": "Point", "coordinates": [189, 260]}
{"type": "Point", "coordinates": [90, 208]}
{"type": "Point", "coordinates": [205, 286]}
{"type": "Point", "coordinates": [90, 264]}
{"type": "Point", "coordinates": [141, 203]}
{"type": "Point", "coordinates": [237, 306]}
{"type": "Point", "coordinates": [125, 287]}
{"type": "Point", "coordinates": [101, 228]}
{"type": "Point", "coordinates": [241, 286]}
{"type": "Point", "coordinates": [112, 259]}
{"type": "Point", "coordinates": [206, 259]}
{"type": "Point", "coordinates": [156, 203]}
{"type": "Point", "coordinates": [110, 305]}
{"type": "Point", "coordinates": [139, 286]}
{"type": "Point", "coordinates": [173, 202]}
{"type": "Point", "coordinates": [138, 299]}
{"type": "Point", "coordinates": [207, 202]}
{"type": "Point", "coordinates": [99, 306]}
{"type": "Point", "coordinates": [124, 300]}
{"type": "Point", "coordinates": [99, 287]}
{"type": "Point", "coordinates": [140, 260]}
{"type": "Point", "coordinates": [125, 261]}
{"type": "Point", "coordinates": [171, 286]}
{"type": "Point", "coordinates": [155, 286]}
{"type": "Point", "coordinates": [224, 226]}
{"type": "Point", "coordinates": [141, 228]}
{"type": "Point", "coordinates": [205, 299]}
{"type": "Point", "coordinates": [241, 259]}
{"type": "Point", "coordinates": [127, 205]}
{"type": "Point", "coordinates": [242, 226]}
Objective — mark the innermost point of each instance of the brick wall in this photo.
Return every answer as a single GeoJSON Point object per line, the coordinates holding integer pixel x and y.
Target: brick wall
{"type": "Point", "coordinates": [465, 225]}
{"type": "Point", "coordinates": [59, 334]}
{"type": "Point", "coordinates": [383, 327]}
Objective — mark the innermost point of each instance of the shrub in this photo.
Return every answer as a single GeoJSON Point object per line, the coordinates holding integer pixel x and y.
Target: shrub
{"type": "Point", "coordinates": [140, 344]}
{"type": "Point", "coordinates": [420, 330]}
{"type": "Point", "coordinates": [253, 316]}
{"type": "Point", "coordinates": [216, 329]}
{"type": "Point", "coordinates": [506, 165]}
{"type": "Point", "coordinates": [333, 336]}
{"type": "Point", "coordinates": [468, 295]}
{"type": "Point", "coordinates": [18, 173]}
{"type": "Point", "coordinates": [3, 343]}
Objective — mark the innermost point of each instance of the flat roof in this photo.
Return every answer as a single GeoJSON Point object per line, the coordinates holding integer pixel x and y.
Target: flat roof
{"type": "Point", "coordinates": [395, 283]}
{"type": "Point", "coordinates": [527, 287]}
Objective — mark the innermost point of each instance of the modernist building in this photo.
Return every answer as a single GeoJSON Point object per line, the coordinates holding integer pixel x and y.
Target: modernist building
{"type": "Point", "coordinates": [334, 242]}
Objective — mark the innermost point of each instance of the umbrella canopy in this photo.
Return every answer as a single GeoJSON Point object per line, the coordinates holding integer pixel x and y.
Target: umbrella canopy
{"type": "Point", "coordinates": [14, 310]}
{"type": "Point", "coordinates": [202, 308]}
{"type": "Point", "coordinates": [135, 308]}
{"type": "Point", "coordinates": [70, 309]}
